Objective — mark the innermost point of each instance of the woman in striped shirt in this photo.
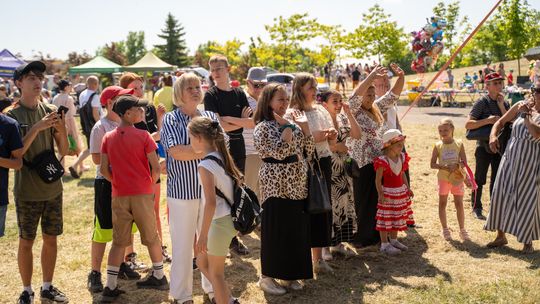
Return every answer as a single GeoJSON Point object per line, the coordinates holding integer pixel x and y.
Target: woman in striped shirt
{"type": "Point", "coordinates": [183, 189]}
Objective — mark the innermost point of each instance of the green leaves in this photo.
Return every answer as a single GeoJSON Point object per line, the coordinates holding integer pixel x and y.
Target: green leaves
{"type": "Point", "coordinates": [174, 50]}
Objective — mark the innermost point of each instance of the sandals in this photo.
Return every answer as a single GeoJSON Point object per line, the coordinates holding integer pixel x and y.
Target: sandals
{"type": "Point", "coordinates": [464, 235]}
{"type": "Point", "coordinates": [447, 234]}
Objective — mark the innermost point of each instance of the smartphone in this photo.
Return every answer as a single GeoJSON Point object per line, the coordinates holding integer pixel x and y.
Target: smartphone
{"type": "Point", "coordinates": [62, 110]}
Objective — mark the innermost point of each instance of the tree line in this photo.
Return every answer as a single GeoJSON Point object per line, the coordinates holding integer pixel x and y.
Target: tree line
{"type": "Point", "coordinates": [505, 36]}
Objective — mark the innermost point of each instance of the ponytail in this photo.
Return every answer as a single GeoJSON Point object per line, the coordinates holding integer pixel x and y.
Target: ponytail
{"type": "Point", "coordinates": [211, 131]}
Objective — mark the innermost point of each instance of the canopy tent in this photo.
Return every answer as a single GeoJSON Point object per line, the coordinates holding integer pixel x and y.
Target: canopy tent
{"type": "Point", "coordinates": [8, 63]}
{"type": "Point", "coordinates": [149, 63]}
{"type": "Point", "coordinates": [99, 64]}
{"type": "Point", "coordinates": [533, 53]}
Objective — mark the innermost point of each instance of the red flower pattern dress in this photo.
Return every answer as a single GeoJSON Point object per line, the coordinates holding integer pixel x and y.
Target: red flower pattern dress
{"type": "Point", "coordinates": [394, 212]}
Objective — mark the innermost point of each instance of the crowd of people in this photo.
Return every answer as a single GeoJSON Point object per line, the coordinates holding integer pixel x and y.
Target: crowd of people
{"type": "Point", "coordinates": [292, 151]}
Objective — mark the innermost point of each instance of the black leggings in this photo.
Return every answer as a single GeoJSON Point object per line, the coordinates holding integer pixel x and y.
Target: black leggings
{"type": "Point", "coordinates": [365, 203]}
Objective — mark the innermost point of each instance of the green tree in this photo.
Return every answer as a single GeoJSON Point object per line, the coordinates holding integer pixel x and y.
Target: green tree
{"type": "Point", "coordinates": [288, 34]}
{"type": "Point", "coordinates": [451, 14]}
{"type": "Point", "coordinates": [377, 36]}
{"type": "Point", "coordinates": [135, 48]}
{"type": "Point", "coordinates": [335, 40]}
{"type": "Point", "coordinates": [75, 58]}
{"type": "Point", "coordinates": [174, 50]}
{"type": "Point", "coordinates": [115, 52]}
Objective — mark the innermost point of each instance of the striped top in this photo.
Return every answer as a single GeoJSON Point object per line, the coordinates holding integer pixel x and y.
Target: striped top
{"type": "Point", "coordinates": [182, 180]}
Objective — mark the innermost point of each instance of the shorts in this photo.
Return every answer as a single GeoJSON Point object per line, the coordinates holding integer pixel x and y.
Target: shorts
{"type": "Point", "coordinates": [29, 214]}
{"type": "Point", "coordinates": [103, 232]}
{"type": "Point", "coordinates": [3, 211]}
{"type": "Point", "coordinates": [138, 209]}
{"type": "Point", "coordinates": [220, 235]}
{"type": "Point", "coordinates": [445, 187]}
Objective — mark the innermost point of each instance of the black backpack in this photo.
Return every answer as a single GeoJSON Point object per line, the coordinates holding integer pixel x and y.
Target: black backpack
{"type": "Point", "coordinates": [245, 209]}
{"type": "Point", "coordinates": [87, 117]}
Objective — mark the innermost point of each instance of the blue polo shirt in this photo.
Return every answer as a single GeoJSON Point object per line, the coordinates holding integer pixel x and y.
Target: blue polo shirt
{"type": "Point", "coordinates": [10, 140]}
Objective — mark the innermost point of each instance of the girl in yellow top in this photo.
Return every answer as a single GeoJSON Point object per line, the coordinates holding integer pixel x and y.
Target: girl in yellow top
{"type": "Point", "coordinates": [448, 157]}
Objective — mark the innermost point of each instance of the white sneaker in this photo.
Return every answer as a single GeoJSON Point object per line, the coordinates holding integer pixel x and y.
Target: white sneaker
{"type": "Point", "coordinates": [270, 286]}
{"type": "Point", "coordinates": [390, 250]}
{"type": "Point", "coordinates": [326, 254]}
{"type": "Point", "coordinates": [398, 245]}
{"type": "Point", "coordinates": [343, 250]}
{"type": "Point", "coordinates": [292, 285]}
{"type": "Point", "coordinates": [321, 266]}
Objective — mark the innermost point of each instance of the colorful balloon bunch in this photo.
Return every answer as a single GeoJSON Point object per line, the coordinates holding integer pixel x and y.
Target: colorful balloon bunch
{"type": "Point", "coordinates": [427, 44]}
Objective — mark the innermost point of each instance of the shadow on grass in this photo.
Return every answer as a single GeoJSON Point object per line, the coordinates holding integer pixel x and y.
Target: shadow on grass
{"type": "Point", "coordinates": [480, 251]}
{"type": "Point", "coordinates": [369, 271]}
{"type": "Point", "coordinates": [134, 295]}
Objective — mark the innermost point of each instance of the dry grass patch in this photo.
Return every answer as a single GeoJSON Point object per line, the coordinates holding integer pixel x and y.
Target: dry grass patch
{"type": "Point", "coordinates": [432, 271]}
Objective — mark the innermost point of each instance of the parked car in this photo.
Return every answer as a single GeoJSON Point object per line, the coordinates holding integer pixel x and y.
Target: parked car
{"type": "Point", "coordinates": [282, 78]}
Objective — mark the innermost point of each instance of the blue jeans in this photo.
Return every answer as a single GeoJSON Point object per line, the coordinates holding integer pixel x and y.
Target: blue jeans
{"type": "Point", "coordinates": [3, 211]}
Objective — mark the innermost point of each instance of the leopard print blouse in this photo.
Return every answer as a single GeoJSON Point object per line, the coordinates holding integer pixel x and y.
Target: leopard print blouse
{"type": "Point", "coordinates": [287, 181]}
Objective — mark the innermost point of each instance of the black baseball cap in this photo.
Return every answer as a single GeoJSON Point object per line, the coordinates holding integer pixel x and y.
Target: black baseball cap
{"type": "Point", "coordinates": [126, 102]}
{"type": "Point", "coordinates": [24, 69]}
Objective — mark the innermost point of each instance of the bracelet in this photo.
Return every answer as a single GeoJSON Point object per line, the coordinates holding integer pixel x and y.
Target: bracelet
{"type": "Point", "coordinates": [285, 126]}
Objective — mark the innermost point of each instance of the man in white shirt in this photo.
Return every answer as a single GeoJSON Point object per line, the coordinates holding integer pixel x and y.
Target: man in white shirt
{"type": "Point", "coordinates": [88, 95]}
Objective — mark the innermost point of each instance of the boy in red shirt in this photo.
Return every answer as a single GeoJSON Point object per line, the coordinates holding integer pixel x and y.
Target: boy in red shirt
{"type": "Point", "coordinates": [125, 155]}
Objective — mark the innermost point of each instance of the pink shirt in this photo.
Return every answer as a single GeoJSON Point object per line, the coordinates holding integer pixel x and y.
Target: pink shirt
{"type": "Point", "coordinates": [127, 149]}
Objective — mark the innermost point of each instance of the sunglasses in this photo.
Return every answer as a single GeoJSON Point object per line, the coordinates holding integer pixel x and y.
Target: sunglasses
{"type": "Point", "coordinates": [535, 90]}
{"type": "Point", "coordinates": [259, 85]}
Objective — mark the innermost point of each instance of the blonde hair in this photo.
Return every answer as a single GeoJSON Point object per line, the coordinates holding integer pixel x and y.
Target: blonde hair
{"type": "Point", "coordinates": [447, 122]}
{"type": "Point", "coordinates": [211, 131]}
{"type": "Point", "coordinates": [218, 58]}
{"type": "Point", "coordinates": [298, 101]}
{"type": "Point", "coordinates": [179, 86]}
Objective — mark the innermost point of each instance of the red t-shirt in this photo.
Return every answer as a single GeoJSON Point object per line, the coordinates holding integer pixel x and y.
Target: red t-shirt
{"type": "Point", "coordinates": [126, 148]}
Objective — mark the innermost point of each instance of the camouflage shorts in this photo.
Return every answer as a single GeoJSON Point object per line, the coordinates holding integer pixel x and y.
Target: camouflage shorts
{"type": "Point", "coordinates": [29, 214]}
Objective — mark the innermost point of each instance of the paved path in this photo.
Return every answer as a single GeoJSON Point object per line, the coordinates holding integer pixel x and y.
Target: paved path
{"type": "Point", "coordinates": [432, 115]}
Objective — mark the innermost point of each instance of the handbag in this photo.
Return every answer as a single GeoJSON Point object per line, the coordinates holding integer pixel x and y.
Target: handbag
{"type": "Point", "coordinates": [318, 200]}
{"type": "Point", "coordinates": [481, 133]}
{"type": "Point", "coordinates": [504, 137]}
{"type": "Point", "coordinates": [351, 167]}
{"type": "Point", "coordinates": [47, 166]}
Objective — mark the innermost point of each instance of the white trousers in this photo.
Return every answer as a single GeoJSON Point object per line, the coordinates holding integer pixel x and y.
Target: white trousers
{"type": "Point", "coordinates": [185, 219]}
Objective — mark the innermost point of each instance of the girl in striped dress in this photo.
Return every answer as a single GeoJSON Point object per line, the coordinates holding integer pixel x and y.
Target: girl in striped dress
{"type": "Point", "coordinates": [515, 204]}
{"type": "Point", "coordinates": [393, 190]}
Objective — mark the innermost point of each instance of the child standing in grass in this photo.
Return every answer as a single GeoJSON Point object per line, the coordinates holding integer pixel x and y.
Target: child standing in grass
{"type": "Point", "coordinates": [394, 192]}
{"type": "Point", "coordinates": [450, 154]}
{"type": "Point", "coordinates": [217, 170]}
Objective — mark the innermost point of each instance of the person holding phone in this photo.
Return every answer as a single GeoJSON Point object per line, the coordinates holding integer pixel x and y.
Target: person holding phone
{"type": "Point", "coordinates": [40, 127]}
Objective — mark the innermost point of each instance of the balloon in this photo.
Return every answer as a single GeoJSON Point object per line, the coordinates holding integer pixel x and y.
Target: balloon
{"type": "Point", "coordinates": [427, 44]}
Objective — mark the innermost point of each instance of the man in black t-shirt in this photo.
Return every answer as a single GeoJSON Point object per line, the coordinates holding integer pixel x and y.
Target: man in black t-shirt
{"type": "Point", "coordinates": [227, 101]}
{"type": "Point", "coordinates": [486, 111]}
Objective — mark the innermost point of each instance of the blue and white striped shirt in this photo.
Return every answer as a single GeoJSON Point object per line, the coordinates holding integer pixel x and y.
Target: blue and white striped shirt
{"type": "Point", "coordinates": [182, 180]}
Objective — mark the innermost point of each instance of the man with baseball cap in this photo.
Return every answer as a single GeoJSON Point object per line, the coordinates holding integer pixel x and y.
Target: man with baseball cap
{"type": "Point", "coordinates": [485, 112]}
{"type": "Point", "coordinates": [35, 198]}
{"type": "Point", "coordinates": [102, 233]}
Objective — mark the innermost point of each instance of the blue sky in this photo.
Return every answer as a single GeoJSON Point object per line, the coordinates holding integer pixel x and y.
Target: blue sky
{"type": "Point", "coordinates": [60, 26]}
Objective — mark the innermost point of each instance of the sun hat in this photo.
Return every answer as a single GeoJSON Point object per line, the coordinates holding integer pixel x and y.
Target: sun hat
{"type": "Point", "coordinates": [391, 137]}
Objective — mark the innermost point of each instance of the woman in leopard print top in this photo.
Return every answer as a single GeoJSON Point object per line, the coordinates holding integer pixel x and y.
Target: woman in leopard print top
{"type": "Point", "coordinates": [285, 248]}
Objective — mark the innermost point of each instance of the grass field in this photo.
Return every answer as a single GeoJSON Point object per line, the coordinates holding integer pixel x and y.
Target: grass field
{"type": "Point", "coordinates": [432, 271]}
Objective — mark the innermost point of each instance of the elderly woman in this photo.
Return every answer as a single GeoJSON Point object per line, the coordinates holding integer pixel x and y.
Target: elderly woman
{"type": "Point", "coordinates": [515, 202]}
{"type": "Point", "coordinates": [285, 244]}
{"type": "Point", "coordinates": [367, 111]}
{"type": "Point", "coordinates": [183, 188]}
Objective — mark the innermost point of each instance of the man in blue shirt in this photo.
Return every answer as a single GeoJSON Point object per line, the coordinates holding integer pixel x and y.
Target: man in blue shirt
{"type": "Point", "coordinates": [10, 158]}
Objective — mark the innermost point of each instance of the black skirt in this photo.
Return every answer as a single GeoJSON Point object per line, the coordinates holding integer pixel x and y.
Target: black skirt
{"type": "Point", "coordinates": [285, 251]}
{"type": "Point", "coordinates": [321, 224]}
{"type": "Point", "coordinates": [365, 203]}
